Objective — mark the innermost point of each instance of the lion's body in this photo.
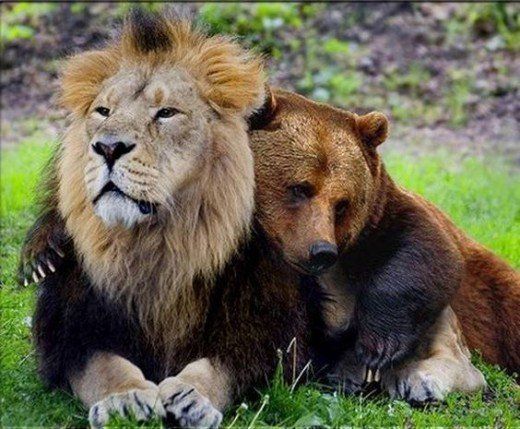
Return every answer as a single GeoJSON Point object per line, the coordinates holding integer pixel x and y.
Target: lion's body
{"type": "Point", "coordinates": [252, 311]}
{"type": "Point", "coordinates": [209, 221]}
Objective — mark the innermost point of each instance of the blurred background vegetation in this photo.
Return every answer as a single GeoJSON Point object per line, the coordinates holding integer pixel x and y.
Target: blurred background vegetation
{"type": "Point", "coordinates": [450, 72]}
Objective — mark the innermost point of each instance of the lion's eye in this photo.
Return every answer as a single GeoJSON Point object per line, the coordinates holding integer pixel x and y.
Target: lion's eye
{"type": "Point", "coordinates": [166, 112]}
{"type": "Point", "coordinates": [300, 192]}
{"type": "Point", "coordinates": [103, 111]}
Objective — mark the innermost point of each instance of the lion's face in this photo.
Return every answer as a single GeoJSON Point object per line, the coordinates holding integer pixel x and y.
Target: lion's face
{"type": "Point", "coordinates": [146, 139]}
{"type": "Point", "coordinates": [154, 114]}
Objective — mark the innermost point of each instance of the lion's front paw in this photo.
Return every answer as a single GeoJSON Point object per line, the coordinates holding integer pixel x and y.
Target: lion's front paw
{"type": "Point", "coordinates": [142, 404]}
{"type": "Point", "coordinates": [41, 260]}
{"type": "Point", "coordinates": [417, 387]}
{"type": "Point", "coordinates": [186, 406]}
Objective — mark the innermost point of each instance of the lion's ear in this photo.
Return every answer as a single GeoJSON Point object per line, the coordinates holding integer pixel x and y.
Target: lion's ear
{"type": "Point", "coordinates": [234, 78]}
{"type": "Point", "coordinates": [82, 76]}
{"type": "Point", "coordinates": [373, 128]}
{"type": "Point", "coordinates": [262, 116]}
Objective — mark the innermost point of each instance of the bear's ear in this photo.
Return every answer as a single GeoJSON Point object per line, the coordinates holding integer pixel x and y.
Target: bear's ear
{"type": "Point", "coordinates": [373, 128]}
{"type": "Point", "coordinates": [262, 116]}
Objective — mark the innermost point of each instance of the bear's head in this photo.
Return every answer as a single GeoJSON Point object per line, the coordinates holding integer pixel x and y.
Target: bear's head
{"type": "Point", "coordinates": [317, 175]}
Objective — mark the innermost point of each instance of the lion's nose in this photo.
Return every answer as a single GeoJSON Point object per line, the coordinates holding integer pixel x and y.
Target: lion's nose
{"type": "Point", "coordinates": [322, 255]}
{"type": "Point", "coordinates": [112, 151]}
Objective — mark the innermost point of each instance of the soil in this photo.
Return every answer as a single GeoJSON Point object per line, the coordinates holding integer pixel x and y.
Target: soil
{"type": "Point", "coordinates": [390, 37]}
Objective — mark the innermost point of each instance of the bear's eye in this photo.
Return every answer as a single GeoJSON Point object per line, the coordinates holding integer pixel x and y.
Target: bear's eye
{"type": "Point", "coordinates": [301, 191]}
{"type": "Point", "coordinates": [166, 112]}
{"type": "Point", "coordinates": [341, 209]}
{"type": "Point", "coordinates": [103, 111]}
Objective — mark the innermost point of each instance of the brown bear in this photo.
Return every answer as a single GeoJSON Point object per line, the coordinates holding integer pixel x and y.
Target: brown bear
{"type": "Point", "coordinates": [323, 191]}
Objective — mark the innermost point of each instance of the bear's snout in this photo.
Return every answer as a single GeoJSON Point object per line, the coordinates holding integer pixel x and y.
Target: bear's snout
{"type": "Point", "coordinates": [322, 255]}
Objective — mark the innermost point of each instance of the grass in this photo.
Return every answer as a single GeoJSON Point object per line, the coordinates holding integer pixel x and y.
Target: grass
{"type": "Point", "coordinates": [481, 198]}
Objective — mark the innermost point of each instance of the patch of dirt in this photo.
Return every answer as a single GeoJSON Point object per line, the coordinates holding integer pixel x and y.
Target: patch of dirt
{"type": "Point", "coordinates": [390, 37]}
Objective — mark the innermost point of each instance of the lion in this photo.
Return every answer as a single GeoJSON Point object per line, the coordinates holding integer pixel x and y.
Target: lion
{"type": "Point", "coordinates": [167, 301]}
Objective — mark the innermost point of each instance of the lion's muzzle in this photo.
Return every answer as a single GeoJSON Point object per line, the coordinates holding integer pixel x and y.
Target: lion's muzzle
{"type": "Point", "coordinates": [112, 151]}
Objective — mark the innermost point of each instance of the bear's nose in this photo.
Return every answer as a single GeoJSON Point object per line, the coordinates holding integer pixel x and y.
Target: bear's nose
{"type": "Point", "coordinates": [112, 151]}
{"type": "Point", "coordinates": [322, 255]}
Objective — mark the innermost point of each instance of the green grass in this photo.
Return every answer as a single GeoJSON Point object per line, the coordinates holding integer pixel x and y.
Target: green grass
{"type": "Point", "coordinates": [481, 198]}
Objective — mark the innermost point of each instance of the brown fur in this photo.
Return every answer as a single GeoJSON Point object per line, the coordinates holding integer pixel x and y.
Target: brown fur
{"type": "Point", "coordinates": [442, 365]}
{"type": "Point", "coordinates": [106, 374]}
{"type": "Point", "coordinates": [293, 124]}
{"type": "Point", "coordinates": [302, 145]}
{"type": "Point", "coordinates": [327, 149]}
{"type": "Point", "coordinates": [488, 299]}
{"type": "Point", "coordinates": [211, 381]}
{"type": "Point", "coordinates": [487, 306]}
{"type": "Point", "coordinates": [306, 144]}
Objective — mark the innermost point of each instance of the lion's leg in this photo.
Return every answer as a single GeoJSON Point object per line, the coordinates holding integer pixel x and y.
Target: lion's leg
{"type": "Point", "coordinates": [111, 384]}
{"type": "Point", "coordinates": [44, 249]}
{"type": "Point", "coordinates": [197, 395]}
{"type": "Point", "coordinates": [441, 367]}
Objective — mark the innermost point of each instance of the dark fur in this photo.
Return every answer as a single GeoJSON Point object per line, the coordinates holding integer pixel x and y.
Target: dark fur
{"type": "Point", "coordinates": [149, 31]}
{"type": "Point", "coordinates": [404, 272]}
{"type": "Point", "coordinates": [46, 238]}
{"type": "Point", "coordinates": [409, 262]}
{"type": "Point", "coordinates": [255, 310]}
{"type": "Point", "coordinates": [406, 266]}
{"type": "Point", "coordinates": [256, 306]}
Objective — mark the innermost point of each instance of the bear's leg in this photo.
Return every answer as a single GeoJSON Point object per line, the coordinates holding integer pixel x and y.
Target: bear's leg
{"type": "Point", "coordinates": [348, 376]}
{"type": "Point", "coordinates": [110, 384]}
{"type": "Point", "coordinates": [196, 396]}
{"type": "Point", "coordinates": [441, 366]}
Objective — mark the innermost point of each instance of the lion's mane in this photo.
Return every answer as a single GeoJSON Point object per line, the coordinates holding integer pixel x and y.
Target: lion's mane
{"type": "Point", "coordinates": [164, 271]}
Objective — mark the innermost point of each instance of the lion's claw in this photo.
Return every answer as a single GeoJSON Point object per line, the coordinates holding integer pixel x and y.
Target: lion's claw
{"type": "Point", "coordinates": [142, 404]}
{"type": "Point", "coordinates": [186, 407]}
{"type": "Point", "coordinates": [41, 265]}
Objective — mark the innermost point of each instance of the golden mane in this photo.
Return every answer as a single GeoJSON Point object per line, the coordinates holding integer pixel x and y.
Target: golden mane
{"type": "Point", "coordinates": [230, 78]}
{"type": "Point", "coordinates": [164, 271]}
